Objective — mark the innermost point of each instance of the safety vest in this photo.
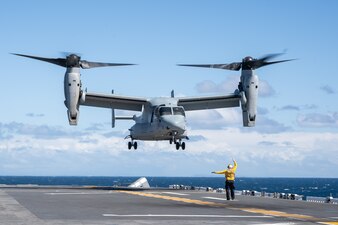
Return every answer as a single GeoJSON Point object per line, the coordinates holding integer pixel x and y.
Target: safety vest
{"type": "Point", "coordinates": [229, 173]}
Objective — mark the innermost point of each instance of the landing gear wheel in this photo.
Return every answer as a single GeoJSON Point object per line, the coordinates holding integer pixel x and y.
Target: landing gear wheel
{"type": "Point", "coordinates": [183, 145]}
{"type": "Point", "coordinates": [129, 145]}
{"type": "Point", "coordinates": [135, 145]}
{"type": "Point", "coordinates": [177, 145]}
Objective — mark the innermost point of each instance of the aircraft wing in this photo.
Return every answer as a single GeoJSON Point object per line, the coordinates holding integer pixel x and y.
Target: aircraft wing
{"type": "Point", "coordinates": [114, 101]}
{"type": "Point", "coordinates": [209, 102]}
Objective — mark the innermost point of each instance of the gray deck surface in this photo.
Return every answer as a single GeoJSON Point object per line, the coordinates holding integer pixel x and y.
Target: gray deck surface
{"type": "Point", "coordinates": [86, 206]}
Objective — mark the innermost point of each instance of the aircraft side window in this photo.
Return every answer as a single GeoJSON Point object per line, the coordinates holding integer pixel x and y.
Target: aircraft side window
{"type": "Point", "coordinates": [178, 111]}
{"type": "Point", "coordinates": [165, 111]}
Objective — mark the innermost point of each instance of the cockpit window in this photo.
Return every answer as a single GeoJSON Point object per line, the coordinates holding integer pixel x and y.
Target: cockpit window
{"type": "Point", "coordinates": [165, 111]}
{"type": "Point", "coordinates": [178, 111]}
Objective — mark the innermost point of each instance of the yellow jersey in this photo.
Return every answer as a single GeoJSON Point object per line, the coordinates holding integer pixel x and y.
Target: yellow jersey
{"type": "Point", "coordinates": [229, 173]}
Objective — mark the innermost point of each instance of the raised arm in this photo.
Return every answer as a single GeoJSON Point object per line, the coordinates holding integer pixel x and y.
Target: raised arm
{"type": "Point", "coordinates": [235, 164]}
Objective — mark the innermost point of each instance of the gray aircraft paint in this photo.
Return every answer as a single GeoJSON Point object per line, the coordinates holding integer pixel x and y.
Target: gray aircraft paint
{"type": "Point", "coordinates": [249, 95]}
{"type": "Point", "coordinates": [151, 125]}
{"type": "Point", "coordinates": [72, 89]}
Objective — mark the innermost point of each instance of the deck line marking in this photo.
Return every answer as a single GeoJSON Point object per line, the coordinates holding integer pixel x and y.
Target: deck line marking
{"type": "Point", "coordinates": [214, 198]}
{"type": "Point", "coordinates": [75, 193]}
{"type": "Point", "coordinates": [282, 214]}
{"type": "Point", "coordinates": [250, 210]}
{"type": "Point", "coordinates": [179, 215]}
{"type": "Point", "coordinates": [174, 193]}
{"type": "Point", "coordinates": [276, 213]}
{"type": "Point", "coordinates": [288, 223]}
{"type": "Point", "coordinates": [178, 199]}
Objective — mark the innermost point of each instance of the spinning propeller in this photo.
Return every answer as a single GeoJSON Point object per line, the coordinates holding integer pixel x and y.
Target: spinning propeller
{"type": "Point", "coordinates": [73, 60]}
{"type": "Point", "coordinates": [248, 84]}
{"type": "Point", "coordinates": [248, 63]}
{"type": "Point", "coordinates": [72, 80]}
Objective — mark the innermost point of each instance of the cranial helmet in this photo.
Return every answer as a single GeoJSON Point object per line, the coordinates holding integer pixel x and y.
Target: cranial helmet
{"type": "Point", "coordinates": [230, 166]}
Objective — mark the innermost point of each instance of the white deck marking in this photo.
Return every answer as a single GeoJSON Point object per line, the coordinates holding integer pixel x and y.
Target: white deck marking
{"type": "Point", "coordinates": [288, 223]}
{"type": "Point", "coordinates": [214, 198]}
{"type": "Point", "coordinates": [172, 215]}
{"type": "Point", "coordinates": [173, 193]}
{"type": "Point", "coordinates": [77, 193]}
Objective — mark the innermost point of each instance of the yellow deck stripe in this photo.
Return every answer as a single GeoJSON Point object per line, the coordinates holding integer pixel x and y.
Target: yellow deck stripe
{"type": "Point", "coordinates": [281, 214]}
{"type": "Point", "coordinates": [330, 223]}
{"type": "Point", "coordinates": [251, 210]}
{"type": "Point", "coordinates": [178, 199]}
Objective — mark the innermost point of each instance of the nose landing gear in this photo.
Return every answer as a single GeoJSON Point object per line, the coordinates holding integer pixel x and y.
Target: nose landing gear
{"type": "Point", "coordinates": [178, 142]}
{"type": "Point", "coordinates": [132, 143]}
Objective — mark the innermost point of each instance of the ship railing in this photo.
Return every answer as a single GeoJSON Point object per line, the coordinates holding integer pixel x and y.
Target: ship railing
{"type": "Point", "coordinates": [328, 199]}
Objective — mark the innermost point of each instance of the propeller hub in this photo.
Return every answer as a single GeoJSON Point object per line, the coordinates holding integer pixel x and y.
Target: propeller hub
{"type": "Point", "coordinates": [248, 63]}
{"type": "Point", "coordinates": [247, 59]}
{"type": "Point", "coordinates": [73, 61]}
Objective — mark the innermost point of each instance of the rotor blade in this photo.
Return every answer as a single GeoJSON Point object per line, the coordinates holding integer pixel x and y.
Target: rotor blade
{"type": "Point", "coordinates": [231, 66]}
{"type": "Point", "coordinates": [87, 65]}
{"type": "Point", "coordinates": [270, 56]}
{"type": "Point", "coordinates": [257, 63]}
{"type": "Point", "coordinates": [274, 62]}
{"type": "Point", "coordinates": [57, 61]}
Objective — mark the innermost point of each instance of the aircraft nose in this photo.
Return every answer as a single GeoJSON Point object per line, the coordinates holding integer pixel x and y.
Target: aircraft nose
{"type": "Point", "coordinates": [174, 122]}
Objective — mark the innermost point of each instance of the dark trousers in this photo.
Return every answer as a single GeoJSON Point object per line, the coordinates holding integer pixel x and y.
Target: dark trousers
{"type": "Point", "coordinates": [230, 189]}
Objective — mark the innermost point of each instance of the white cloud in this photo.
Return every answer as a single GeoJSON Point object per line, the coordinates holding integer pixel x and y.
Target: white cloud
{"type": "Point", "coordinates": [267, 126]}
{"type": "Point", "coordinates": [262, 110]}
{"type": "Point", "coordinates": [35, 115]}
{"type": "Point", "coordinates": [230, 85]}
{"type": "Point", "coordinates": [290, 107]}
{"type": "Point", "coordinates": [206, 86]}
{"type": "Point", "coordinates": [297, 107]}
{"type": "Point", "coordinates": [258, 152]}
{"type": "Point", "coordinates": [232, 117]}
{"type": "Point", "coordinates": [96, 153]}
{"type": "Point", "coordinates": [318, 120]}
{"type": "Point", "coordinates": [227, 86]}
{"type": "Point", "coordinates": [214, 119]}
{"type": "Point", "coordinates": [265, 89]}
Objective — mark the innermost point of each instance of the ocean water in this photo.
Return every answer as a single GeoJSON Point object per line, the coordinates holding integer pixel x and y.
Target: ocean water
{"type": "Point", "coordinates": [321, 187]}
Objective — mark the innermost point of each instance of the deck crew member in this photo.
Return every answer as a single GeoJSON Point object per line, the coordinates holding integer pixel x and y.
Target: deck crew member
{"type": "Point", "coordinates": [229, 179]}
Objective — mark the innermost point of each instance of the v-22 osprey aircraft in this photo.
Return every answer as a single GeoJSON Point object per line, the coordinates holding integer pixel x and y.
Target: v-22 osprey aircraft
{"type": "Point", "coordinates": [162, 118]}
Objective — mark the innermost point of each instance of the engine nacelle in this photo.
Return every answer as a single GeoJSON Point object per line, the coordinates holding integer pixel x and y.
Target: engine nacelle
{"type": "Point", "coordinates": [249, 93]}
{"type": "Point", "coordinates": [72, 118]}
{"type": "Point", "coordinates": [72, 89]}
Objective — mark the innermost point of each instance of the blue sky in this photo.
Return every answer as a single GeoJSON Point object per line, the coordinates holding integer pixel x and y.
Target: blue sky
{"type": "Point", "coordinates": [297, 125]}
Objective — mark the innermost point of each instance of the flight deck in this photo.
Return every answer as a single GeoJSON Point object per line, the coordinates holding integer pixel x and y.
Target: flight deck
{"type": "Point", "coordinates": [61, 205]}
